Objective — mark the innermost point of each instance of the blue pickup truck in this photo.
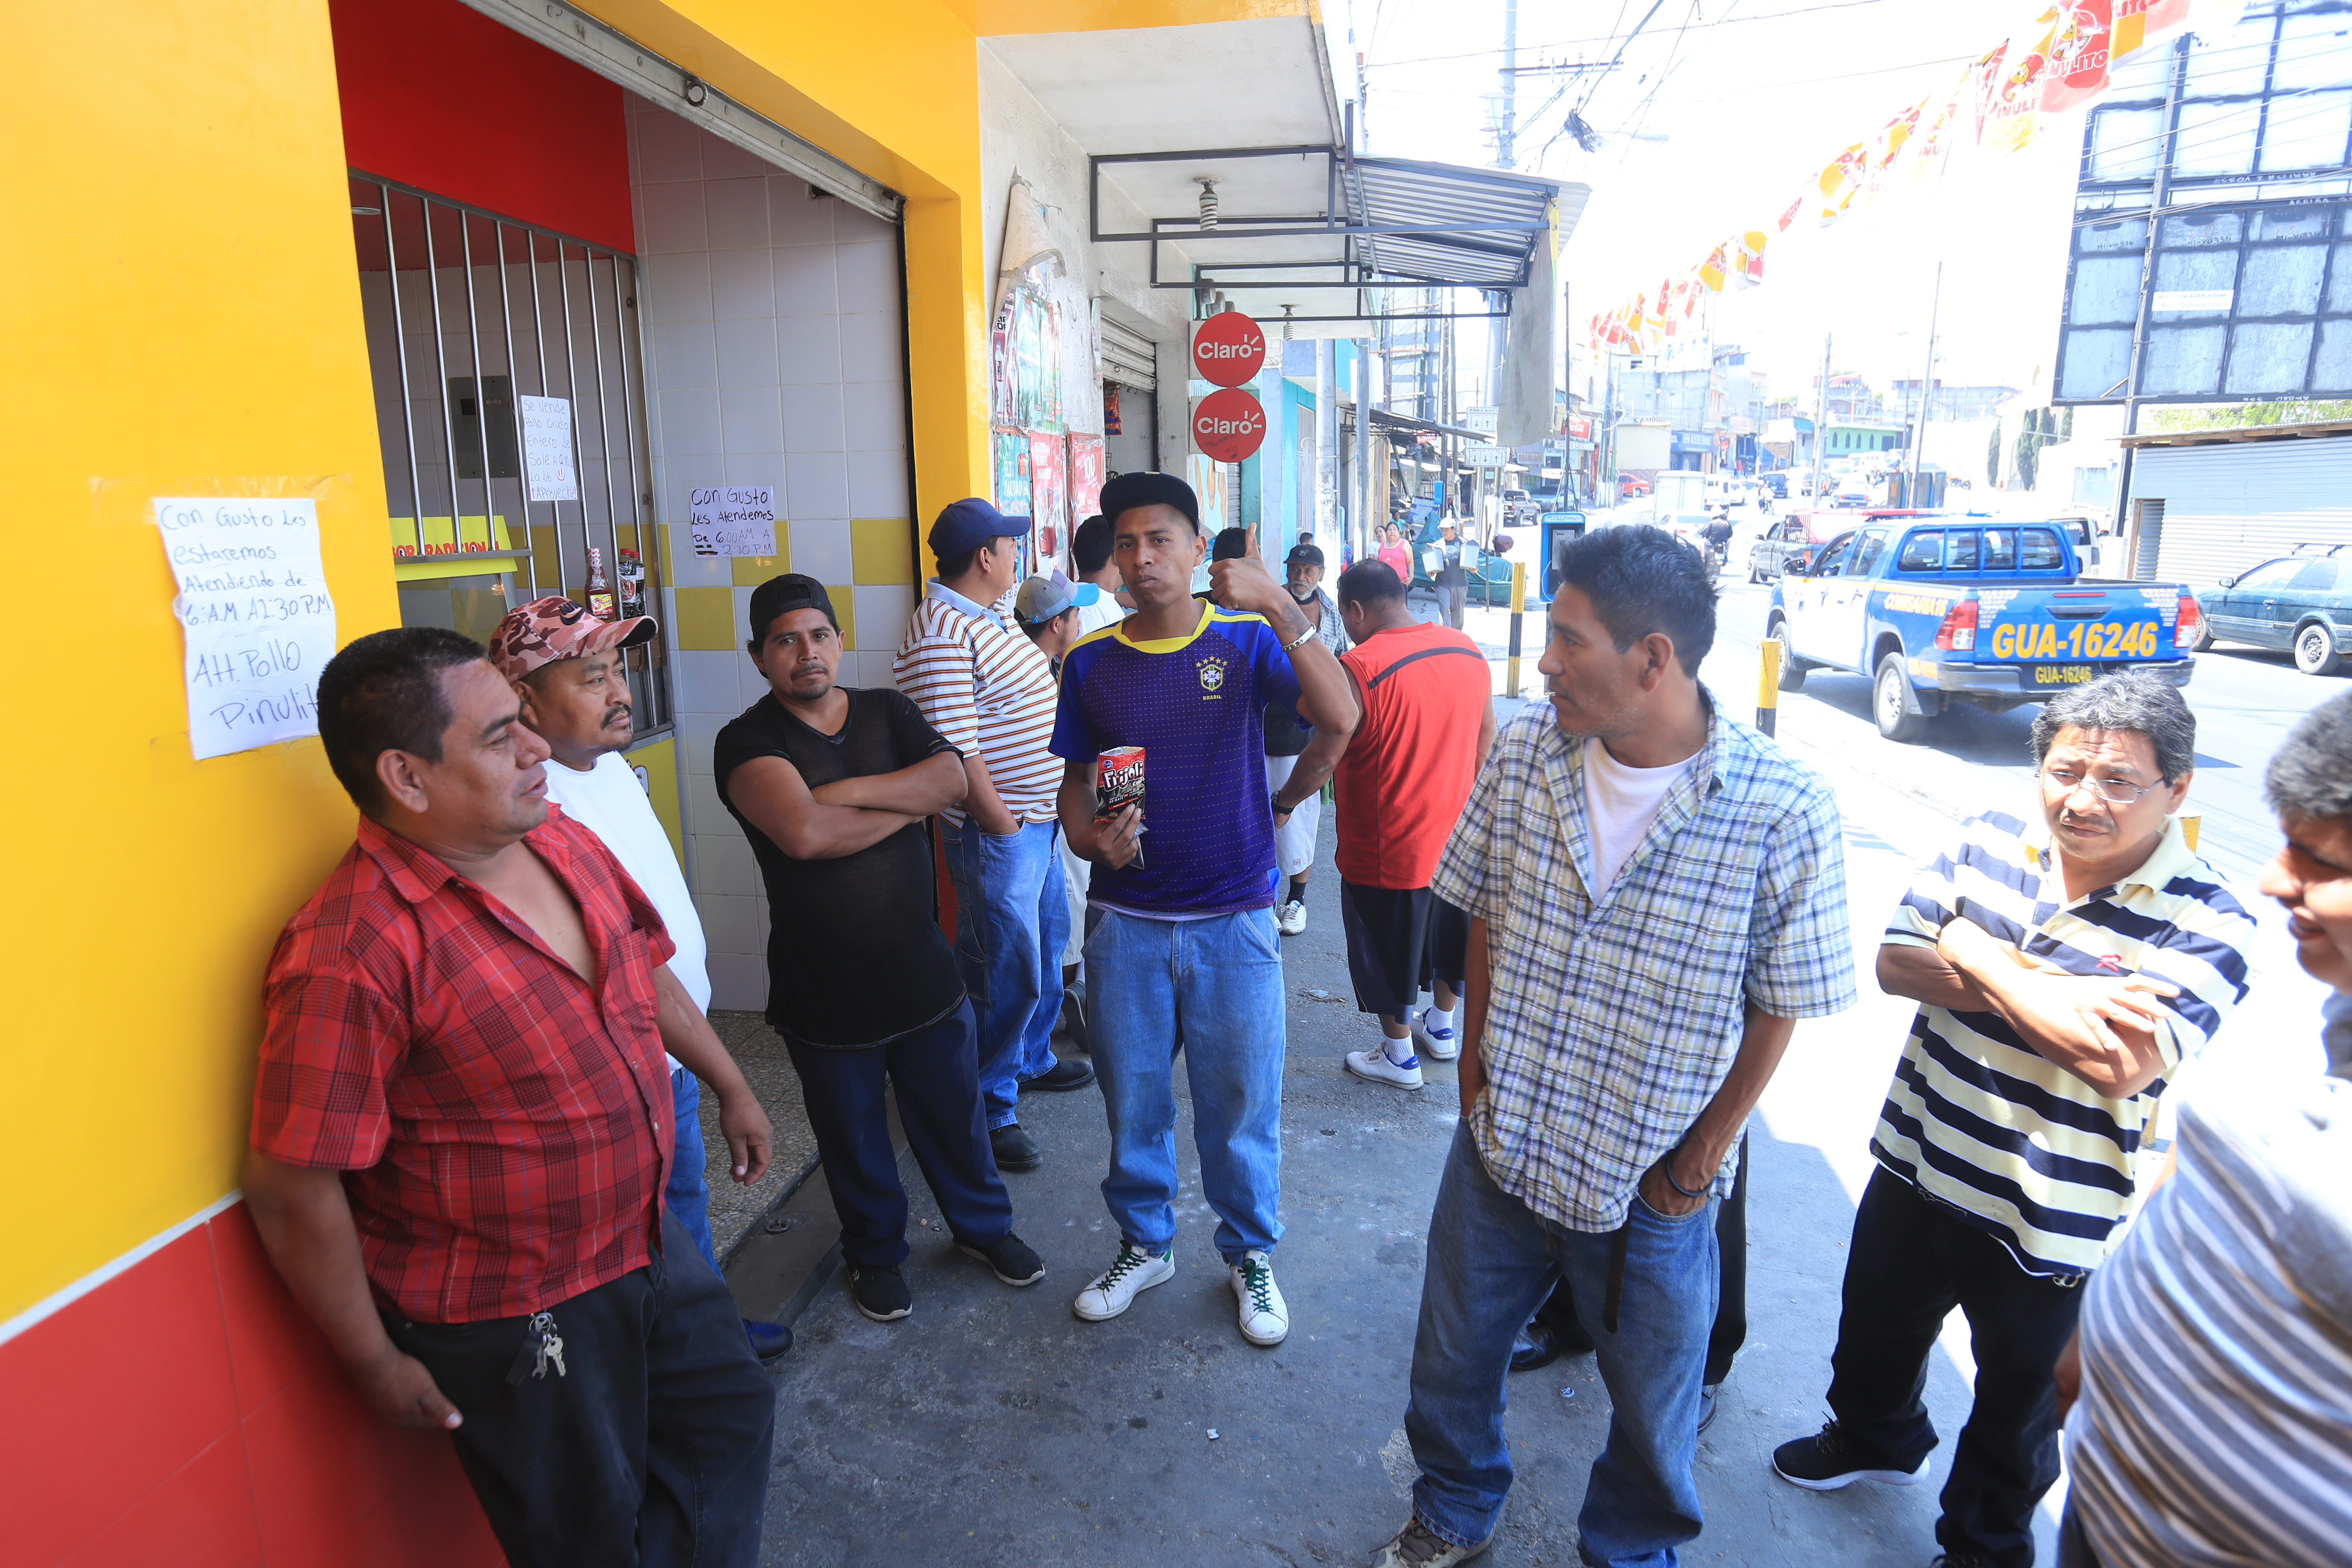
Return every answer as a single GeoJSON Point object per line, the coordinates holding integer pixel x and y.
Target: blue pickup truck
{"type": "Point", "coordinates": [1941, 609]}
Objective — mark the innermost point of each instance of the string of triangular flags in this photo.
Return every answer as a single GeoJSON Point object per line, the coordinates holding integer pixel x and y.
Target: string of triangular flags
{"type": "Point", "coordinates": [2059, 60]}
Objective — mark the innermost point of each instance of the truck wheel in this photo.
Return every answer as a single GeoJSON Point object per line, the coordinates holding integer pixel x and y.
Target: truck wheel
{"type": "Point", "coordinates": [2204, 639]}
{"type": "Point", "coordinates": [1793, 668]}
{"type": "Point", "coordinates": [1753, 575]}
{"type": "Point", "coordinates": [2315, 650]}
{"type": "Point", "coordinates": [1891, 703]}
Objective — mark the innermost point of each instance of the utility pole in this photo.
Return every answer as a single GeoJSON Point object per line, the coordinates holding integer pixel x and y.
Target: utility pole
{"type": "Point", "coordinates": [1506, 157]}
{"type": "Point", "coordinates": [2142, 562]}
{"type": "Point", "coordinates": [1927, 389]}
{"type": "Point", "coordinates": [1820, 418]}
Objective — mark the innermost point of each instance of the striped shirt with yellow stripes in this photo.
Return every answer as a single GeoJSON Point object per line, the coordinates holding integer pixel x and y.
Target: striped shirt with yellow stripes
{"type": "Point", "coordinates": [986, 688]}
{"type": "Point", "coordinates": [1976, 1118]}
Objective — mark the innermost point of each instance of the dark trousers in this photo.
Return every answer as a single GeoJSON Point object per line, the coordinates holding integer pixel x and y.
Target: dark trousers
{"type": "Point", "coordinates": [1730, 1331]}
{"type": "Point", "coordinates": [650, 1449]}
{"type": "Point", "coordinates": [1911, 1263]}
{"type": "Point", "coordinates": [936, 1073]}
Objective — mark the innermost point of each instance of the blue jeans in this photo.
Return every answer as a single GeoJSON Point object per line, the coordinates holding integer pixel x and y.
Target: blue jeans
{"type": "Point", "coordinates": [1491, 1262]}
{"type": "Point", "coordinates": [1212, 989]}
{"type": "Point", "coordinates": [1012, 921]}
{"type": "Point", "coordinates": [688, 1194]}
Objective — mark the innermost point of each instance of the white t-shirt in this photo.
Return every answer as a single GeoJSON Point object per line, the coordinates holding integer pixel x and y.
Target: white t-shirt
{"type": "Point", "coordinates": [609, 801]}
{"type": "Point", "coordinates": [1105, 611]}
{"type": "Point", "coordinates": [1623, 803]}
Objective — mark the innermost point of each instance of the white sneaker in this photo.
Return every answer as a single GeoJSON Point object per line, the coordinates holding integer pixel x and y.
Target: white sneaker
{"type": "Point", "coordinates": [1291, 919]}
{"type": "Point", "coordinates": [1442, 1044]}
{"type": "Point", "coordinates": [1114, 1289]}
{"type": "Point", "coordinates": [1376, 1066]}
{"type": "Point", "coordinates": [1265, 1320]}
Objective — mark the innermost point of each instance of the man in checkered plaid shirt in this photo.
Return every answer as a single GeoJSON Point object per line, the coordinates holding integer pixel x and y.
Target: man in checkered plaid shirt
{"type": "Point", "coordinates": [1658, 894]}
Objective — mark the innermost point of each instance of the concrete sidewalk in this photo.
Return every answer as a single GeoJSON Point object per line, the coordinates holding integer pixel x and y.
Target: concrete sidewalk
{"type": "Point", "coordinates": [994, 1427]}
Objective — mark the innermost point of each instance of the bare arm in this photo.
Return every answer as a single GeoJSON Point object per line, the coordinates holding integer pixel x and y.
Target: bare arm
{"type": "Point", "coordinates": [980, 801]}
{"type": "Point", "coordinates": [923, 790]}
{"type": "Point", "coordinates": [2102, 1030]}
{"type": "Point", "coordinates": [1317, 761]}
{"type": "Point", "coordinates": [1924, 974]}
{"type": "Point", "coordinates": [772, 793]}
{"type": "Point", "coordinates": [305, 1223]}
{"type": "Point", "coordinates": [1325, 699]}
{"type": "Point", "coordinates": [1108, 843]}
{"type": "Point", "coordinates": [688, 1035]}
{"type": "Point", "coordinates": [1694, 1160]}
{"type": "Point", "coordinates": [1485, 737]}
{"type": "Point", "coordinates": [1470, 1069]}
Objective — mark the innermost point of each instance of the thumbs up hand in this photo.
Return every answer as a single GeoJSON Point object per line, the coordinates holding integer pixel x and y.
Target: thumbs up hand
{"type": "Point", "coordinates": [1245, 584]}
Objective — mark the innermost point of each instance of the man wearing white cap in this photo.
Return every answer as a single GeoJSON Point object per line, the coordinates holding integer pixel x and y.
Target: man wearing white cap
{"type": "Point", "coordinates": [567, 667]}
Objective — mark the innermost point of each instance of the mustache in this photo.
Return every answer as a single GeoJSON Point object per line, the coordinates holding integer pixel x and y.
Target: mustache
{"type": "Point", "coordinates": [617, 711]}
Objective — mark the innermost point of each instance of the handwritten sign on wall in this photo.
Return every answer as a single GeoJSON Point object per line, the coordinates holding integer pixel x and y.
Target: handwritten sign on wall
{"type": "Point", "coordinates": [258, 621]}
{"type": "Point", "coordinates": [732, 520]}
{"type": "Point", "coordinates": [547, 448]}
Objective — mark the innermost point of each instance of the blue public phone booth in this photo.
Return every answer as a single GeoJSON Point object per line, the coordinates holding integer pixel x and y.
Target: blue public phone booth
{"type": "Point", "coordinates": [1554, 529]}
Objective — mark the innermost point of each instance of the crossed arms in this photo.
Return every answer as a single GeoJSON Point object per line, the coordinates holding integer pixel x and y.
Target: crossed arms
{"type": "Point", "coordinates": [848, 814]}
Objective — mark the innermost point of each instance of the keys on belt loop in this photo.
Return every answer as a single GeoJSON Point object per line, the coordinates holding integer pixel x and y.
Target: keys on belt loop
{"type": "Point", "coordinates": [540, 1344]}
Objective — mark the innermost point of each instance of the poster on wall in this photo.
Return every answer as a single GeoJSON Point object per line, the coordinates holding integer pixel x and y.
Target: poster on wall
{"type": "Point", "coordinates": [1207, 477]}
{"type": "Point", "coordinates": [1044, 351]}
{"type": "Point", "coordinates": [732, 520]}
{"type": "Point", "coordinates": [258, 620]}
{"type": "Point", "coordinates": [1012, 482]}
{"type": "Point", "coordinates": [1086, 478]}
{"type": "Point", "coordinates": [547, 448]}
{"type": "Point", "coordinates": [1048, 496]}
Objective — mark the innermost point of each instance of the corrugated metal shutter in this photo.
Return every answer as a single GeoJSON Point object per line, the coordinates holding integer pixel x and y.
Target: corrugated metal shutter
{"type": "Point", "coordinates": [1128, 357]}
{"type": "Point", "coordinates": [2228, 507]}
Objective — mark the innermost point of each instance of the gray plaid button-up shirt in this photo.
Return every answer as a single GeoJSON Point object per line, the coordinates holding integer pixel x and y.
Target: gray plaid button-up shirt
{"type": "Point", "coordinates": [1611, 1024]}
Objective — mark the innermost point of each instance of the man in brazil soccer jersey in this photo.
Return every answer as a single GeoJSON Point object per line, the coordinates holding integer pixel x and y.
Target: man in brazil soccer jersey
{"type": "Point", "coordinates": [2064, 969]}
{"type": "Point", "coordinates": [1182, 950]}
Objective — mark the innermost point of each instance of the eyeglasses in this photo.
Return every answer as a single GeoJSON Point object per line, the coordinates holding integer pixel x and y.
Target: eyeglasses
{"type": "Point", "coordinates": [2114, 792]}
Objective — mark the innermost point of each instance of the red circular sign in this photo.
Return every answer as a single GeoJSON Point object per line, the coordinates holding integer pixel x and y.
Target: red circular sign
{"type": "Point", "coordinates": [1227, 349]}
{"type": "Point", "coordinates": [1228, 426]}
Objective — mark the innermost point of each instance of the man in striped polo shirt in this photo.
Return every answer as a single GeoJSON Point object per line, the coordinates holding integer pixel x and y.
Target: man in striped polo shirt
{"type": "Point", "coordinates": [2064, 972]}
{"type": "Point", "coordinates": [988, 689]}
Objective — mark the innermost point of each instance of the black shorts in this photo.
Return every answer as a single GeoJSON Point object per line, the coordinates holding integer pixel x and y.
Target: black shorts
{"type": "Point", "coordinates": [1449, 945]}
{"type": "Point", "coordinates": [1388, 945]}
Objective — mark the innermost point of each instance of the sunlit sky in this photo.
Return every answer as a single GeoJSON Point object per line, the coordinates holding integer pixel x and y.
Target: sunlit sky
{"type": "Point", "coordinates": [1752, 97]}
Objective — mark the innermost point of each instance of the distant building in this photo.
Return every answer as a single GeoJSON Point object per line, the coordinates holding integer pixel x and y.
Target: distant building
{"type": "Point", "coordinates": [1948, 404]}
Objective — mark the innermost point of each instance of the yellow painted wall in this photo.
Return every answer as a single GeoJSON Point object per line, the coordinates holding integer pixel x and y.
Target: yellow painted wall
{"type": "Point", "coordinates": [187, 320]}
{"type": "Point", "coordinates": [660, 760]}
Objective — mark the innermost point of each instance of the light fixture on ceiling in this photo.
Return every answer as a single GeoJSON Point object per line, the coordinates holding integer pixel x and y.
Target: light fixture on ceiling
{"type": "Point", "coordinates": [367, 211]}
{"type": "Point", "coordinates": [1208, 203]}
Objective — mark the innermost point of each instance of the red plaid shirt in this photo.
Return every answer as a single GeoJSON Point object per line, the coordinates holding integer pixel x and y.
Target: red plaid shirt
{"type": "Point", "coordinates": [506, 1124]}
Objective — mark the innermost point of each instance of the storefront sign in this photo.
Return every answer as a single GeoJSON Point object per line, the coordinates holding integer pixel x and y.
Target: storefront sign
{"type": "Point", "coordinates": [547, 448]}
{"type": "Point", "coordinates": [1227, 349]}
{"type": "Point", "coordinates": [732, 520]}
{"type": "Point", "coordinates": [1228, 426]}
{"type": "Point", "coordinates": [1580, 428]}
{"type": "Point", "coordinates": [1485, 456]}
{"type": "Point", "coordinates": [258, 620]}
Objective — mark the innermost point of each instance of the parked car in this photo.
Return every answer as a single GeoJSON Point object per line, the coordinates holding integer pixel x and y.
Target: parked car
{"type": "Point", "coordinates": [2302, 603]}
{"type": "Point", "coordinates": [1799, 533]}
{"type": "Point", "coordinates": [1631, 485]}
{"type": "Point", "coordinates": [1950, 608]}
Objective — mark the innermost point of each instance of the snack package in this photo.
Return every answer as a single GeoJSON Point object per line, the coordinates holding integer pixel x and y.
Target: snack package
{"type": "Point", "coordinates": [1119, 783]}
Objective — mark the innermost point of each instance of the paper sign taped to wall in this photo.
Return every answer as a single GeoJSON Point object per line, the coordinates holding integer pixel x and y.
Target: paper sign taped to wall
{"type": "Point", "coordinates": [732, 520]}
{"type": "Point", "coordinates": [258, 621]}
{"type": "Point", "coordinates": [547, 448]}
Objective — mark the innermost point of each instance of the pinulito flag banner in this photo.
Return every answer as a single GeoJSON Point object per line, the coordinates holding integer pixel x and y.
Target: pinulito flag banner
{"type": "Point", "coordinates": [2013, 111]}
{"type": "Point", "coordinates": [2077, 69]}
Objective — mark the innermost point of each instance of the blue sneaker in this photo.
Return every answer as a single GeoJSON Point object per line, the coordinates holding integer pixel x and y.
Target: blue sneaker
{"type": "Point", "coordinates": [769, 1341]}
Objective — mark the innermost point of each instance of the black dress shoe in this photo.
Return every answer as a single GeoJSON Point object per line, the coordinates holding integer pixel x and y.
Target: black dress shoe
{"type": "Point", "coordinates": [1536, 1346]}
{"type": "Point", "coordinates": [1015, 1150]}
{"type": "Point", "coordinates": [1060, 1078]}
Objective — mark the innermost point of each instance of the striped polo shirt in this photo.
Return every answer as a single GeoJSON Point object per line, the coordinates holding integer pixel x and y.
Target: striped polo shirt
{"type": "Point", "coordinates": [1979, 1121]}
{"type": "Point", "coordinates": [984, 687]}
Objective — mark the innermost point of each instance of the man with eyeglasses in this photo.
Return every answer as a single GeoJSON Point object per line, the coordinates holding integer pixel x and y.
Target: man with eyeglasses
{"type": "Point", "coordinates": [2064, 972]}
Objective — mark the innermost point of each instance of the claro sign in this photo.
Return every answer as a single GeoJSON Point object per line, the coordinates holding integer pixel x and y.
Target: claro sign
{"type": "Point", "coordinates": [1228, 426]}
{"type": "Point", "coordinates": [1227, 349]}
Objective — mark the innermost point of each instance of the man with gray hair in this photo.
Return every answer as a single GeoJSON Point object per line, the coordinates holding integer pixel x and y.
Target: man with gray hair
{"type": "Point", "coordinates": [2064, 970]}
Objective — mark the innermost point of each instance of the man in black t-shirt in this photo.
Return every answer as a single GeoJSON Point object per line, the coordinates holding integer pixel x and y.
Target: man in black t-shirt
{"type": "Point", "coordinates": [832, 786]}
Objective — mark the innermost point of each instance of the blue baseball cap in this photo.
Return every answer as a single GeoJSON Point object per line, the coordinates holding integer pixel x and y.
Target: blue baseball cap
{"type": "Point", "coordinates": [1043, 597]}
{"type": "Point", "coordinates": [966, 525]}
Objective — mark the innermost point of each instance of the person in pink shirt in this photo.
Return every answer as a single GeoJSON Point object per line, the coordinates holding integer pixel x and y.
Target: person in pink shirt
{"type": "Point", "coordinates": [1394, 552]}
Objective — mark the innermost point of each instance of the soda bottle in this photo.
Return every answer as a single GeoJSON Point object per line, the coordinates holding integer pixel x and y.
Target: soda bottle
{"type": "Point", "coordinates": [599, 590]}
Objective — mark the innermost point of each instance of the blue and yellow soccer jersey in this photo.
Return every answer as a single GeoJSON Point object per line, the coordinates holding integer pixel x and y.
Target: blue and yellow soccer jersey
{"type": "Point", "coordinates": [1192, 704]}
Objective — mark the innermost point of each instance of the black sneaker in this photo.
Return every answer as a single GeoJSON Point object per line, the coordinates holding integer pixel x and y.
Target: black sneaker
{"type": "Point", "coordinates": [769, 1341]}
{"type": "Point", "coordinates": [1709, 1404]}
{"type": "Point", "coordinates": [1014, 1260]}
{"type": "Point", "coordinates": [880, 1293]}
{"type": "Point", "coordinates": [1015, 1150]}
{"type": "Point", "coordinates": [1060, 1078]}
{"type": "Point", "coordinates": [1536, 1346]}
{"type": "Point", "coordinates": [1827, 1460]}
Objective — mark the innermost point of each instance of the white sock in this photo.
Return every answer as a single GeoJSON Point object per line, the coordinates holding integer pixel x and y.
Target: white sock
{"type": "Point", "coordinates": [1400, 1052]}
{"type": "Point", "coordinates": [1440, 1024]}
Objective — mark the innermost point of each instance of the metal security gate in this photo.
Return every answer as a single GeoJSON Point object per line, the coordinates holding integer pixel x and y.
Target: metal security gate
{"type": "Point", "coordinates": [509, 393]}
{"type": "Point", "coordinates": [2231, 505]}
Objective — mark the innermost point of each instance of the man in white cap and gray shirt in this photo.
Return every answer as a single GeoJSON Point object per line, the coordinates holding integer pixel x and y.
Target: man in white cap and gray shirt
{"type": "Point", "coordinates": [569, 670]}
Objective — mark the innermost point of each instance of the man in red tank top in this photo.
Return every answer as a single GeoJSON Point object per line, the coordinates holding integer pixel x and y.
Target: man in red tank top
{"type": "Point", "coordinates": [1401, 782]}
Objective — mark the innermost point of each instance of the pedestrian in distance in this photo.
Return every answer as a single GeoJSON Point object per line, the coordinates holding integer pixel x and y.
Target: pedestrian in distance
{"type": "Point", "coordinates": [2213, 1359]}
{"type": "Point", "coordinates": [1400, 781]}
{"type": "Point", "coordinates": [1656, 893]}
{"type": "Point", "coordinates": [1090, 563]}
{"type": "Point", "coordinates": [461, 1134]}
{"type": "Point", "coordinates": [2065, 968]}
{"type": "Point", "coordinates": [1182, 952]}
{"type": "Point", "coordinates": [1449, 574]}
{"type": "Point", "coordinates": [1392, 550]}
{"type": "Point", "coordinates": [1285, 740]}
{"type": "Point", "coordinates": [1050, 608]}
{"type": "Point", "coordinates": [988, 690]}
{"type": "Point", "coordinates": [568, 671]}
{"type": "Point", "coordinates": [832, 785]}
{"type": "Point", "coordinates": [1053, 611]}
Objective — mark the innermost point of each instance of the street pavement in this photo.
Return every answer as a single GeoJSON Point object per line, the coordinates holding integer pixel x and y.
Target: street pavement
{"type": "Point", "coordinates": [994, 1427]}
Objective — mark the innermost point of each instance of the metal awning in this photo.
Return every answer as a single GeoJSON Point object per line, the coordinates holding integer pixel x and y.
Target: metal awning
{"type": "Point", "coordinates": [1322, 235]}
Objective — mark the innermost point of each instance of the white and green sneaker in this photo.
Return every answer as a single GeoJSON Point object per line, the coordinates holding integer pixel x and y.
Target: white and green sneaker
{"type": "Point", "coordinates": [1113, 1290]}
{"type": "Point", "coordinates": [1416, 1547]}
{"type": "Point", "coordinates": [1265, 1319]}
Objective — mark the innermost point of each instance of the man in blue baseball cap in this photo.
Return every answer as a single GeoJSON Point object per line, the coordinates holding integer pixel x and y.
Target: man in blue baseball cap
{"type": "Point", "coordinates": [989, 689]}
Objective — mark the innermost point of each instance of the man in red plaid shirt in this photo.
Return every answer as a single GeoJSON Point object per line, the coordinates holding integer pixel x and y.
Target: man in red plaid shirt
{"type": "Point", "coordinates": [461, 1132]}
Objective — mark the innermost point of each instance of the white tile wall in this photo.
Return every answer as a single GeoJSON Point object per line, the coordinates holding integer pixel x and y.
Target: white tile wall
{"type": "Point", "coordinates": [773, 357]}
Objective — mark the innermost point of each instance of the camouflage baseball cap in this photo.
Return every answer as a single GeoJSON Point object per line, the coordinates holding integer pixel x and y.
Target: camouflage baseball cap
{"type": "Point", "coordinates": [554, 627]}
